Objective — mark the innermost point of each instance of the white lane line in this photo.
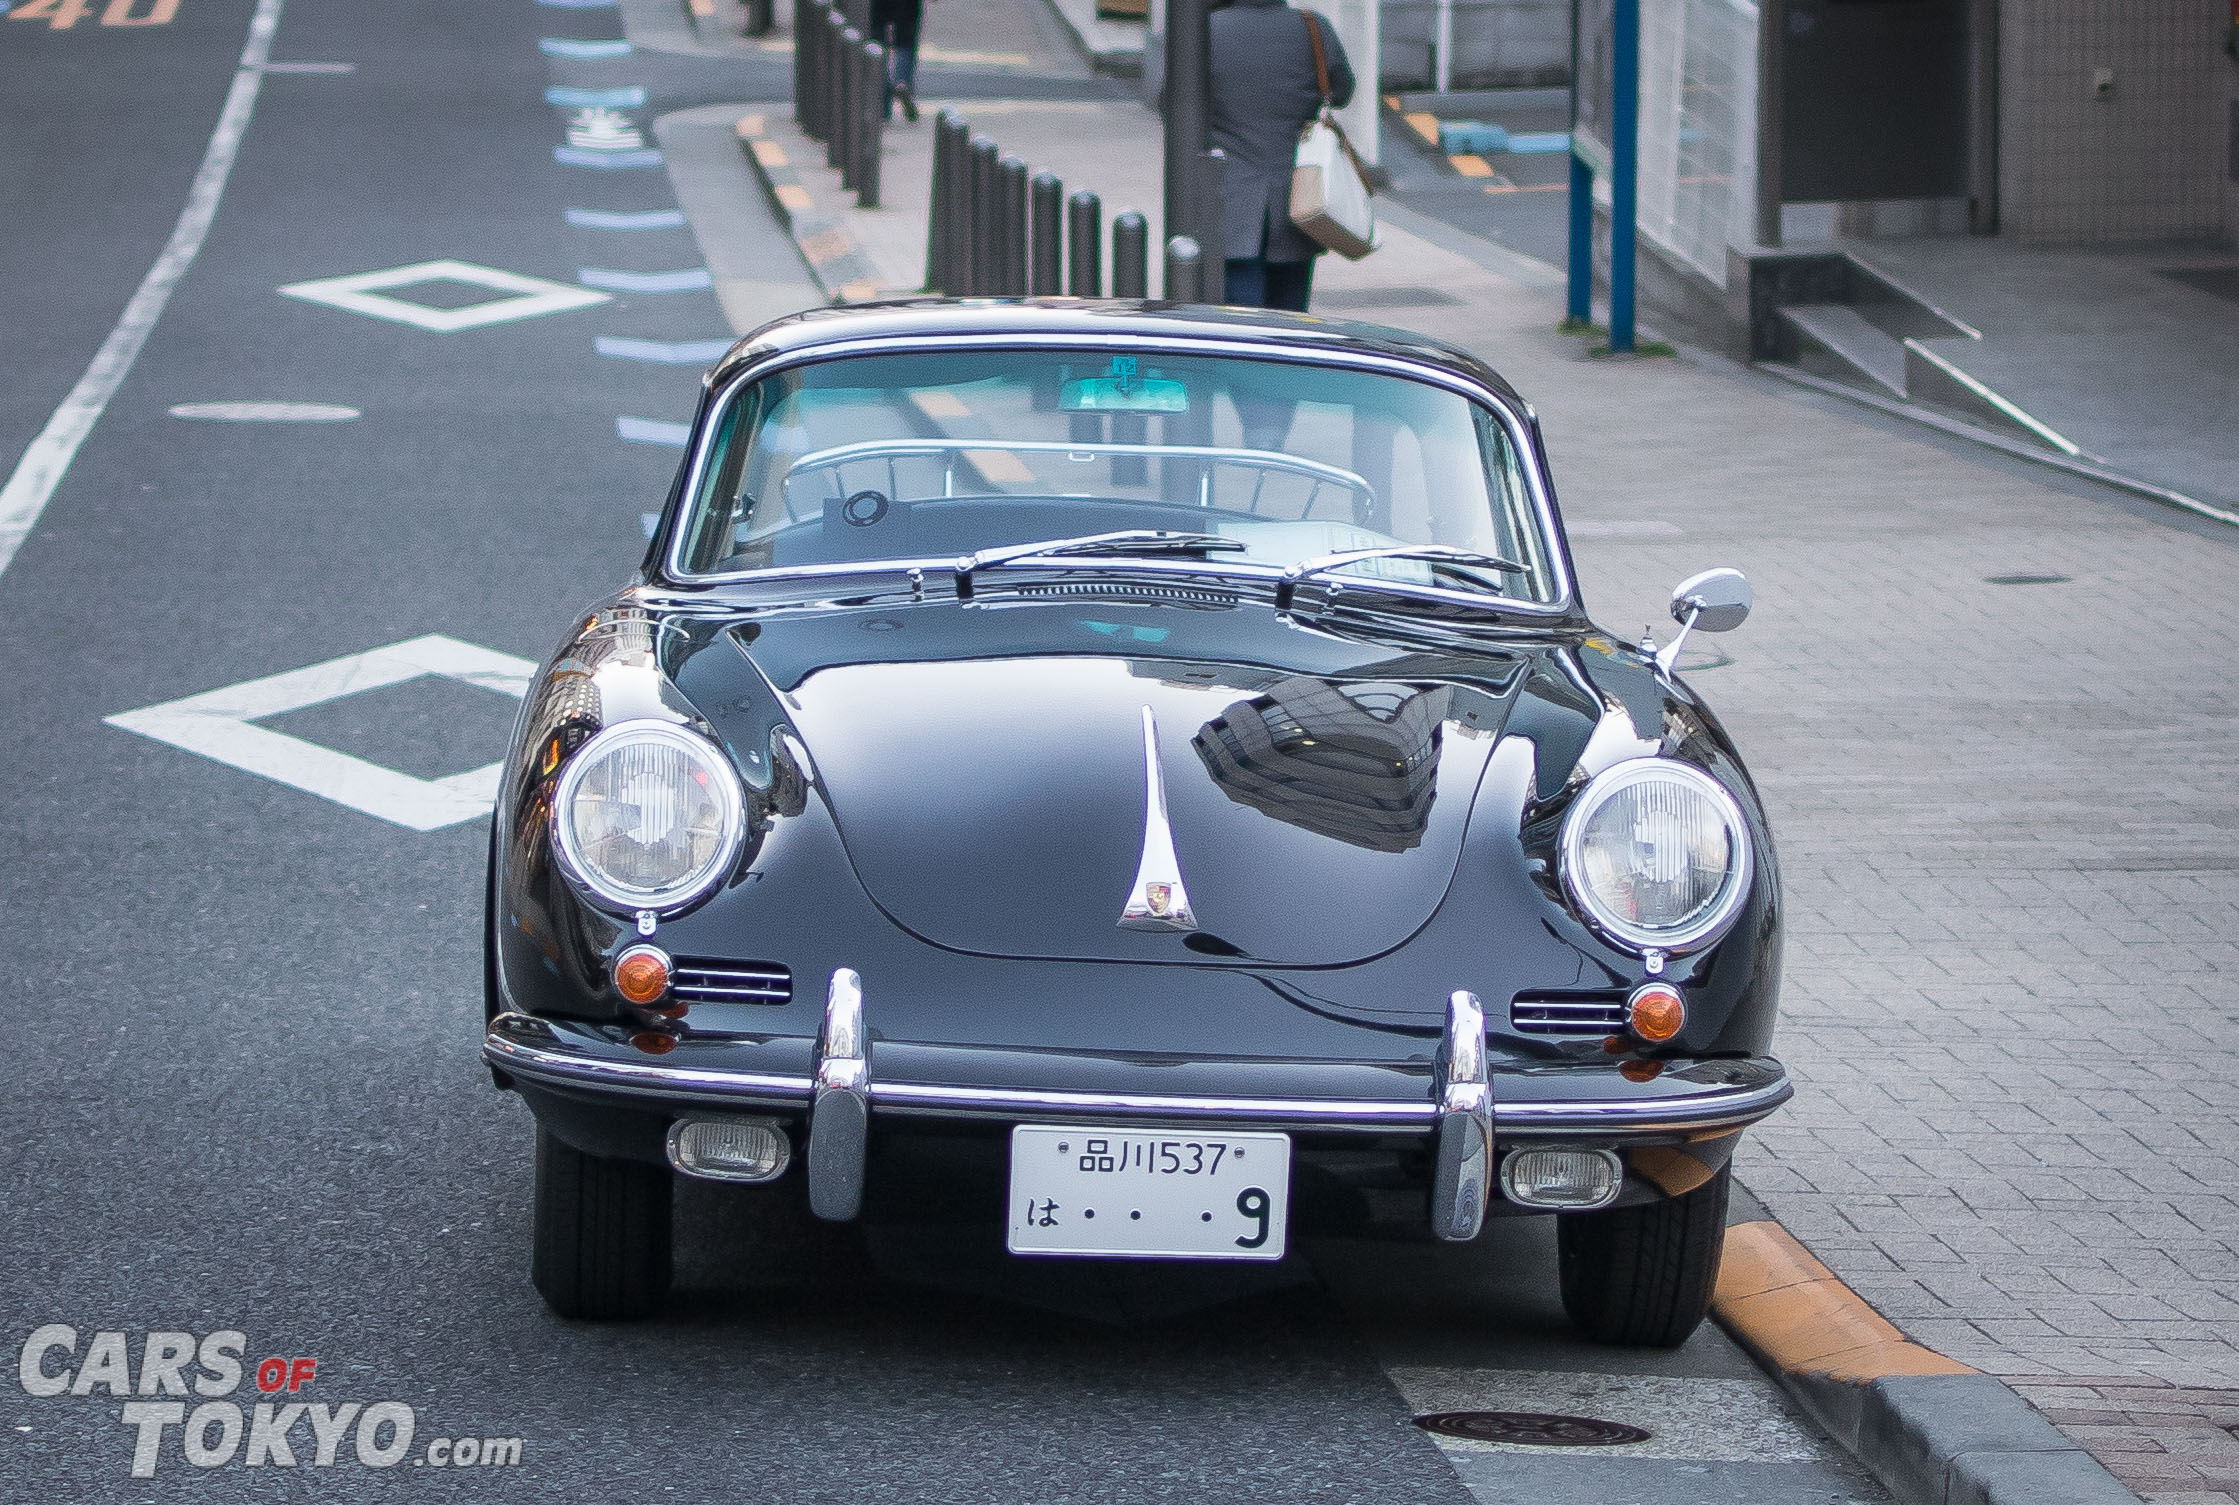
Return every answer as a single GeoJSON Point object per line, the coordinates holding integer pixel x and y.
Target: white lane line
{"type": "Point", "coordinates": [579, 156]}
{"type": "Point", "coordinates": [653, 431]}
{"type": "Point", "coordinates": [663, 352]}
{"type": "Point", "coordinates": [48, 458]}
{"type": "Point", "coordinates": [367, 293]}
{"type": "Point", "coordinates": [606, 219]}
{"type": "Point", "coordinates": [569, 47]}
{"type": "Point", "coordinates": [265, 412]}
{"type": "Point", "coordinates": [690, 279]}
{"type": "Point", "coordinates": [221, 725]}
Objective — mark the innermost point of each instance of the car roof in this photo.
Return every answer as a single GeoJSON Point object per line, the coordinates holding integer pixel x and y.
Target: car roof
{"type": "Point", "coordinates": [913, 319]}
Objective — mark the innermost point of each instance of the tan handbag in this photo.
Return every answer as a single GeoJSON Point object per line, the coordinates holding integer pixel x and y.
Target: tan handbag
{"type": "Point", "coordinates": [1329, 182]}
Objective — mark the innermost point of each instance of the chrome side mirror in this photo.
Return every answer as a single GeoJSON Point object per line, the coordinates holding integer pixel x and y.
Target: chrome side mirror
{"type": "Point", "coordinates": [1716, 601]}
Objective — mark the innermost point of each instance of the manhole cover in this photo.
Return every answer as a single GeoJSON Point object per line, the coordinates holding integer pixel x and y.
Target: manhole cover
{"type": "Point", "coordinates": [1531, 1429]}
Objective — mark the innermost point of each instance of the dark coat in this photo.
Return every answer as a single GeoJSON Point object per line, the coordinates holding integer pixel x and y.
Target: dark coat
{"type": "Point", "coordinates": [1263, 95]}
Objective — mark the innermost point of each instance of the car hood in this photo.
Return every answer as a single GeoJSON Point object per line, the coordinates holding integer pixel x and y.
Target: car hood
{"type": "Point", "coordinates": [1318, 791]}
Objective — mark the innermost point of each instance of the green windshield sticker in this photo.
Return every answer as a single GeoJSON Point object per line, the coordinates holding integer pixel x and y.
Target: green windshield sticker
{"type": "Point", "coordinates": [1123, 391]}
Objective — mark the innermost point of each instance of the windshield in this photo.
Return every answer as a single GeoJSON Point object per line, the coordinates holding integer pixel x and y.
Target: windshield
{"type": "Point", "coordinates": [940, 455]}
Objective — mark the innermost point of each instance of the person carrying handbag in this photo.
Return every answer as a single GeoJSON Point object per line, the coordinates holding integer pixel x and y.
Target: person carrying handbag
{"type": "Point", "coordinates": [1269, 66]}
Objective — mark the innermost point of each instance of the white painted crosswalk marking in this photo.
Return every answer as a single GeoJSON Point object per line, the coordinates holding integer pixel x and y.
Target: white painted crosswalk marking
{"type": "Point", "coordinates": [653, 431]}
{"type": "Point", "coordinates": [220, 724]}
{"type": "Point", "coordinates": [663, 352]}
{"type": "Point", "coordinates": [688, 279]}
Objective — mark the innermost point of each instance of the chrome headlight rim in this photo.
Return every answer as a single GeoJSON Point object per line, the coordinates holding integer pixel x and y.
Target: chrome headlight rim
{"type": "Point", "coordinates": [725, 785]}
{"type": "Point", "coordinates": [1706, 928]}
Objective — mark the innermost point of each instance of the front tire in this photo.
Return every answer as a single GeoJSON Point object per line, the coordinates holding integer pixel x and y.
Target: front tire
{"type": "Point", "coordinates": [602, 1233]}
{"type": "Point", "coordinates": [1644, 1275]}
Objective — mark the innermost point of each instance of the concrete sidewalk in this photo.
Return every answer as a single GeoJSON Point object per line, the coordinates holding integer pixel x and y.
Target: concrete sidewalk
{"type": "Point", "coordinates": [1993, 712]}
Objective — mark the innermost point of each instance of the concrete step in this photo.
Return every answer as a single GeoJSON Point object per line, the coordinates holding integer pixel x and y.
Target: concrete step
{"type": "Point", "coordinates": [1835, 340]}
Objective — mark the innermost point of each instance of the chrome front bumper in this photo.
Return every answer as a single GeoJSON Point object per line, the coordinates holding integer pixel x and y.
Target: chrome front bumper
{"type": "Point", "coordinates": [1458, 1097]}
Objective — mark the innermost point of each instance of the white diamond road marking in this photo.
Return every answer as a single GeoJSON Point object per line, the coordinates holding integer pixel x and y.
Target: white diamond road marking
{"type": "Point", "coordinates": [219, 724]}
{"type": "Point", "coordinates": [363, 294]}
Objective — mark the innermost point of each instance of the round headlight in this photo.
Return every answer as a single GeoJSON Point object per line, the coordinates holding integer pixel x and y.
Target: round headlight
{"type": "Point", "coordinates": [648, 815]}
{"type": "Point", "coordinates": [1656, 854]}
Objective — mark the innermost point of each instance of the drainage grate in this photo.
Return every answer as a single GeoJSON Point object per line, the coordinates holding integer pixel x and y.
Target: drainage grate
{"type": "Point", "coordinates": [698, 980]}
{"type": "Point", "coordinates": [1531, 1429]}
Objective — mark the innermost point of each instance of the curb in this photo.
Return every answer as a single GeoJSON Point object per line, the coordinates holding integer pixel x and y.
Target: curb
{"type": "Point", "coordinates": [1105, 62]}
{"type": "Point", "coordinates": [834, 259]}
{"type": "Point", "coordinates": [1932, 1430]}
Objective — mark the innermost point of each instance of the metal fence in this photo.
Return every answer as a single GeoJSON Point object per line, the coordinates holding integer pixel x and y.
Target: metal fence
{"type": "Point", "coordinates": [996, 231]}
{"type": "Point", "coordinates": [839, 94]}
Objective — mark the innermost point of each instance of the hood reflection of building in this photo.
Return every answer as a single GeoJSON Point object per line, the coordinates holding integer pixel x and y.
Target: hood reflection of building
{"type": "Point", "coordinates": [1356, 762]}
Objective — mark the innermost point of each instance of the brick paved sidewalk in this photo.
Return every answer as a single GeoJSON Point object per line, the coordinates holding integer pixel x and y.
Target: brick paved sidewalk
{"type": "Point", "coordinates": [2006, 821]}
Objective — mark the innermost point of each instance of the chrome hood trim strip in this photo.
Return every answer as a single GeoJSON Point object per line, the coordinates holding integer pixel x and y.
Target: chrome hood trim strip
{"type": "Point", "coordinates": [1158, 900]}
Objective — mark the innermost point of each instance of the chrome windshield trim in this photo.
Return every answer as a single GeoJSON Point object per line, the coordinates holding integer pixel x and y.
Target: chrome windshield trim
{"type": "Point", "coordinates": [1513, 421]}
{"type": "Point", "coordinates": [1731, 1108]}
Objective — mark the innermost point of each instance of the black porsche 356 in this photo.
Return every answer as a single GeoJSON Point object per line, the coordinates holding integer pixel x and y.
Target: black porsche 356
{"type": "Point", "coordinates": [1156, 763]}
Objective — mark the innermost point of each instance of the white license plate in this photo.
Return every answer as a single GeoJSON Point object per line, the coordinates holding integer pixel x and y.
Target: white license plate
{"type": "Point", "coordinates": [1151, 1193]}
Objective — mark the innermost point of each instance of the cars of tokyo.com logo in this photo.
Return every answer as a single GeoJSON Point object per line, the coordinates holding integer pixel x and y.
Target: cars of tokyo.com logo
{"type": "Point", "coordinates": [174, 1369]}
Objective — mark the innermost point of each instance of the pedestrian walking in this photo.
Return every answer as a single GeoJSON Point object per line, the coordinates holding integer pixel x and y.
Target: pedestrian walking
{"type": "Point", "coordinates": [894, 23]}
{"type": "Point", "coordinates": [1265, 89]}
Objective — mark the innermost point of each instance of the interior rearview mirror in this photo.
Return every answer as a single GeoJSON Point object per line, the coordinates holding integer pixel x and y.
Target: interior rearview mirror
{"type": "Point", "coordinates": [1714, 601]}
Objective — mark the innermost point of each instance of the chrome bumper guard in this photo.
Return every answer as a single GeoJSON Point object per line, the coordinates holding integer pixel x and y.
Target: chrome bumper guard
{"type": "Point", "coordinates": [840, 1094]}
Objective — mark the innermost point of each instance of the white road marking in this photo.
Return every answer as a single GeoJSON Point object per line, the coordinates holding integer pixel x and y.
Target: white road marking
{"type": "Point", "coordinates": [310, 67]}
{"type": "Point", "coordinates": [606, 219]}
{"type": "Point", "coordinates": [569, 47]}
{"type": "Point", "coordinates": [599, 129]}
{"type": "Point", "coordinates": [690, 279]}
{"type": "Point", "coordinates": [630, 97]}
{"type": "Point", "coordinates": [653, 431]}
{"type": "Point", "coordinates": [265, 412]}
{"type": "Point", "coordinates": [577, 156]}
{"type": "Point", "coordinates": [667, 353]}
{"type": "Point", "coordinates": [219, 724]}
{"type": "Point", "coordinates": [362, 294]}
{"type": "Point", "coordinates": [48, 457]}
{"type": "Point", "coordinates": [650, 522]}
{"type": "Point", "coordinates": [1685, 1417]}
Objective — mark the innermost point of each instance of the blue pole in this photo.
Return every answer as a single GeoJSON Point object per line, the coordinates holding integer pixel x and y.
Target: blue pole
{"type": "Point", "coordinates": [1581, 241]}
{"type": "Point", "coordinates": [1624, 172]}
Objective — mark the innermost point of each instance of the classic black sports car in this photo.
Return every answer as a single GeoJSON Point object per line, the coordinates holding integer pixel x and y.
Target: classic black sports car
{"type": "Point", "coordinates": [1144, 776]}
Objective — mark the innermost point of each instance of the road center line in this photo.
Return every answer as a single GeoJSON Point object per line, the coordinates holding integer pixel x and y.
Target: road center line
{"type": "Point", "coordinates": [48, 458]}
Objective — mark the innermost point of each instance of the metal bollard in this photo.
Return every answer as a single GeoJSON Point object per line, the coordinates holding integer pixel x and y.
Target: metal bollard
{"type": "Point", "coordinates": [1185, 266]}
{"type": "Point", "coordinates": [940, 203]}
{"type": "Point", "coordinates": [761, 16]}
{"type": "Point", "coordinates": [956, 228]}
{"type": "Point", "coordinates": [1131, 256]}
{"type": "Point", "coordinates": [1013, 231]}
{"type": "Point", "coordinates": [870, 142]}
{"type": "Point", "coordinates": [987, 219]}
{"type": "Point", "coordinates": [850, 133]}
{"type": "Point", "coordinates": [1047, 249]}
{"type": "Point", "coordinates": [829, 53]}
{"type": "Point", "coordinates": [804, 112]}
{"type": "Point", "coordinates": [1084, 241]}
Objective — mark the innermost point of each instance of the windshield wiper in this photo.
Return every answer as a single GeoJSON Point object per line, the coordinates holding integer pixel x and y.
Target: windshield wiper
{"type": "Point", "coordinates": [1140, 542]}
{"type": "Point", "coordinates": [1443, 559]}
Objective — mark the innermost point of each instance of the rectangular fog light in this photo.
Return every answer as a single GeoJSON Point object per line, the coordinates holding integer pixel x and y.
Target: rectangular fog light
{"type": "Point", "coordinates": [729, 1149]}
{"type": "Point", "coordinates": [1568, 1180]}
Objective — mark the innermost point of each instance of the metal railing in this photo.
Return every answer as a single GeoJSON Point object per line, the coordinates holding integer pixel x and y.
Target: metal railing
{"type": "Point", "coordinates": [839, 94]}
{"type": "Point", "coordinates": [993, 231]}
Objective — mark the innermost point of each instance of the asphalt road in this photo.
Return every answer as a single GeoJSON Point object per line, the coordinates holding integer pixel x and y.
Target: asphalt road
{"type": "Point", "coordinates": [243, 1093]}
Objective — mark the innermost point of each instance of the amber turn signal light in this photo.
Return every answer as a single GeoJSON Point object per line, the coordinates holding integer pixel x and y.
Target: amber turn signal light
{"type": "Point", "coordinates": [1656, 1012]}
{"type": "Point", "coordinates": [641, 974]}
